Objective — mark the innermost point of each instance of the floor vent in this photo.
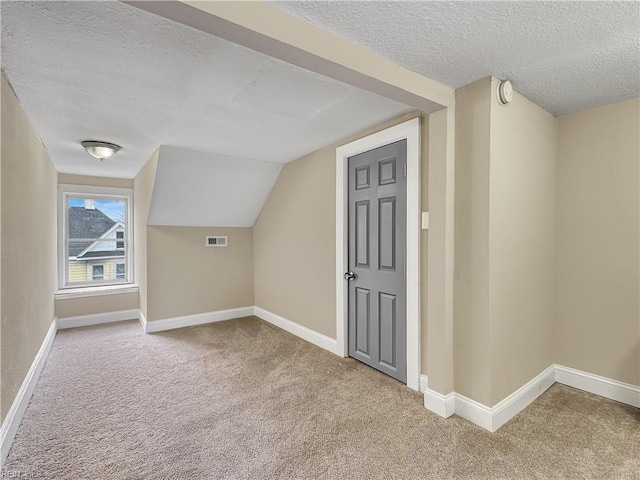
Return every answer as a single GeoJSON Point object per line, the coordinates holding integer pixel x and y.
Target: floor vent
{"type": "Point", "coordinates": [216, 241]}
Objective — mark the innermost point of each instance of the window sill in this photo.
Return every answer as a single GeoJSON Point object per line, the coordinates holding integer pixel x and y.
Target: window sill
{"type": "Point", "coordinates": [80, 292]}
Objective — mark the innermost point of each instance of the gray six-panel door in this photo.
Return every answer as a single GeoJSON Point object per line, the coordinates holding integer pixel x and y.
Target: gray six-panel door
{"type": "Point", "coordinates": [377, 244]}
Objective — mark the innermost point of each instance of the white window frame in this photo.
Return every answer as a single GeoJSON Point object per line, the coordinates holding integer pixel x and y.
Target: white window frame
{"type": "Point", "coordinates": [64, 192]}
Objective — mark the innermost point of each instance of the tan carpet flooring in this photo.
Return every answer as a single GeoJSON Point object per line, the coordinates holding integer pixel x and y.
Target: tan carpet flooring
{"type": "Point", "coordinates": [243, 399]}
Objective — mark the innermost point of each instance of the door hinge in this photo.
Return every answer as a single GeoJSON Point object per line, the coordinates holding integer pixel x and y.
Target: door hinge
{"type": "Point", "coordinates": [404, 169]}
{"type": "Point", "coordinates": [404, 271]}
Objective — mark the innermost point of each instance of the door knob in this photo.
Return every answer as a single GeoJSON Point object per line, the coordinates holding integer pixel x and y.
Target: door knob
{"type": "Point", "coordinates": [350, 276]}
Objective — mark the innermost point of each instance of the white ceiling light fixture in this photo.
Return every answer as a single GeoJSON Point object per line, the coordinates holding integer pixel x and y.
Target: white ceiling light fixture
{"type": "Point", "coordinates": [100, 150]}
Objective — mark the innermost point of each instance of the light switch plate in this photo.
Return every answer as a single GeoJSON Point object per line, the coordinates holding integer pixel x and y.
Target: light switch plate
{"type": "Point", "coordinates": [425, 220]}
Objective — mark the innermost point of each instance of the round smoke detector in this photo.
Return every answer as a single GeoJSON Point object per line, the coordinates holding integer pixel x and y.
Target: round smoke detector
{"type": "Point", "coordinates": [505, 92]}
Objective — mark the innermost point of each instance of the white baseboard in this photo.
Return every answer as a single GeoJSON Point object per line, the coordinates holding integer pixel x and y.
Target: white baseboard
{"type": "Point", "coordinates": [443, 405]}
{"type": "Point", "coordinates": [492, 418]}
{"type": "Point", "coordinates": [19, 405]}
{"type": "Point", "coordinates": [423, 383]}
{"type": "Point", "coordinates": [298, 330]}
{"type": "Point", "coordinates": [143, 321]}
{"type": "Point", "coordinates": [509, 407]}
{"type": "Point", "coordinates": [473, 411]}
{"type": "Point", "coordinates": [151, 326]}
{"type": "Point", "coordinates": [97, 318]}
{"type": "Point", "coordinates": [605, 387]}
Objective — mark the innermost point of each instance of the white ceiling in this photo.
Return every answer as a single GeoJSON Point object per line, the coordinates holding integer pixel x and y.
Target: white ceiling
{"type": "Point", "coordinates": [202, 189]}
{"type": "Point", "coordinates": [108, 71]}
{"type": "Point", "coordinates": [565, 56]}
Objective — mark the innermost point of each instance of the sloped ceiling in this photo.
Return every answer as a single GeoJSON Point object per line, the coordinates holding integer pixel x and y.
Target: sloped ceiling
{"type": "Point", "coordinates": [565, 56]}
{"type": "Point", "coordinates": [109, 71]}
{"type": "Point", "coordinates": [205, 189]}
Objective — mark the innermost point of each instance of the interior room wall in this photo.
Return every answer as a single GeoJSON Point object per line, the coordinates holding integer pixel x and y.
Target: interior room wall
{"type": "Point", "coordinates": [294, 239]}
{"type": "Point", "coordinates": [505, 234]}
{"type": "Point", "coordinates": [79, 306]}
{"type": "Point", "coordinates": [185, 277]}
{"type": "Point", "coordinates": [522, 231]}
{"type": "Point", "coordinates": [28, 228]}
{"type": "Point", "coordinates": [472, 363]}
{"type": "Point", "coordinates": [424, 239]}
{"type": "Point", "coordinates": [142, 193]}
{"type": "Point", "coordinates": [72, 307]}
{"type": "Point", "coordinates": [71, 179]}
{"type": "Point", "coordinates": [438, 304]}
{"type": "Point", "coordinates": [597, 314]}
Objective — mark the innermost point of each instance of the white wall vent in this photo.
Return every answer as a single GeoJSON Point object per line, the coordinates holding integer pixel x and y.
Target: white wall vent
{"type": "Point", "coordinates": [216, 241]}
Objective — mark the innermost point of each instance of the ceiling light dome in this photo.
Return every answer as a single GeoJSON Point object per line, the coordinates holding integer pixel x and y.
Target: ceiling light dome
{"type": "Point", "coordinates": [100, 150]}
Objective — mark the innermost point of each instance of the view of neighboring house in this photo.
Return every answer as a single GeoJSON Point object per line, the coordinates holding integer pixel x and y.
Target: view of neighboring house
{"type": "Point", "coordinates": [100, 259]}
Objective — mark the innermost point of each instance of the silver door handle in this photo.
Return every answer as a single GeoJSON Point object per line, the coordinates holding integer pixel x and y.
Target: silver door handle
{"type": "Point", "coordinates": [350, 276]}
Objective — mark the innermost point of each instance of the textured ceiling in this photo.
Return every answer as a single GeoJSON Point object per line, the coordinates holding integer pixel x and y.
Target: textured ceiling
{"type": "Point", "coordinates": [109, 71]}
{"type": "Point", "coordinates": [565, 56]}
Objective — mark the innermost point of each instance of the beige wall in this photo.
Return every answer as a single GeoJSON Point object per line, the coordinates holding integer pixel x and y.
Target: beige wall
{"type": "Point", "coordinates": [28, 219]}
{"type": "Point", "coordinates": [424, 239]}
{"type": "Point", "coordinates": [522, 222]}
{"type": "Point", "coordinates": [67, 178]}
{"type": "Point", "coordinates": [185, 277]}
{"type": "Point", "coordinates": [142, 192]}
{"type": "Point", "coordinates": [505, 234]}
{"type": "Point", "coordinates": [294, 240]}
{"type": "Point", "coordinates": [437, 305]}
{"type": "Point", "coordinates": [73, 307]}
{"type": "Point", "coordinates": [472, 362]}
{"type": "Point", "coordinates": [598, 317]}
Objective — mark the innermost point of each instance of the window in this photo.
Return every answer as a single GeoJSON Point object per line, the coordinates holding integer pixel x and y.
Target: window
{"type": "Point", "coordinates": [97, 272]}
{"type": "Point", "coordinates": [95, 246]}
{"type": "Point", "coordinates": [120, 245]}
{"type": "Point", "coordinates": [120, 270]}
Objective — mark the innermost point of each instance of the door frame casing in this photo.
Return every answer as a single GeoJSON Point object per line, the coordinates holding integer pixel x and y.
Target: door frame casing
{"type": "Point", "coordinates": [409, 131]}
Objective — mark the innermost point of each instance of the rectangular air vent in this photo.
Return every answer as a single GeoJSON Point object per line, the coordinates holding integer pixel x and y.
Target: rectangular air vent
{"type": "Point", "coordinates": [216, 241]}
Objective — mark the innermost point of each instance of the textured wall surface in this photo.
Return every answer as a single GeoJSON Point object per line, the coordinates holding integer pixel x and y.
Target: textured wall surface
{"type": "Point", "coordinates": [522, 223]}
{"type": "Point", "coordinates": [471, 294]}
{"type": "Point", "coordinates": [67, 178]}
{"type": "Point", "coordinates": [73, 307]}
{"type": "Point", "coordinates": [505, 233]}
{"type": "Point", "coordinates": [598, 312]}
{"type": "Point", "coordinates": [29, 273]}
{"type": "Point", "coordinates": [185, 277]}
{"type": "Point", "coordinates": [294, 240]}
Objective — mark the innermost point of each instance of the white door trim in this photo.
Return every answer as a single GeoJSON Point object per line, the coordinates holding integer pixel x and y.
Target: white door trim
{"type": "Point", "coordinates": [410, 131]}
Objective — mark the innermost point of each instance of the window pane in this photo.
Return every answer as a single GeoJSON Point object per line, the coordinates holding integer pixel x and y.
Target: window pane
{"type": "Point", "coordinates": [97, 239]}
{"type": "Point", "coordinates": [120, 245]}
{"type": "Point", "coordinates": [97, 272]}
{"type": "Point", "coordinates": [90, 218]}
{"type": "Point", "coordinates": [120, 272]}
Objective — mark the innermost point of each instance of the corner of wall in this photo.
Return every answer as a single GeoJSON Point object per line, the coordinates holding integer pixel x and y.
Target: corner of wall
{"type": "Point", "coordinates": [471, 307]}
{"type": "Point", "coordinates": [142, 194]}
